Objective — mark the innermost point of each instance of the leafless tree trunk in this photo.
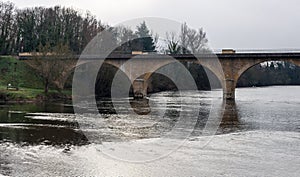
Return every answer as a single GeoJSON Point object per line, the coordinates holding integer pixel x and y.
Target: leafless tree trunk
{"type": "Point", "coordinates": [53, 64]}
{"type": "Point", "coordinates": [193, 41]}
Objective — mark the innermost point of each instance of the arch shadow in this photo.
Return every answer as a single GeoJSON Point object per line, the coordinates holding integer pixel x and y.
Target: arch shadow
{"type": "Point", "coordinates": [157, 82]}
{"type": "Point", "coordinates": [105, 77]}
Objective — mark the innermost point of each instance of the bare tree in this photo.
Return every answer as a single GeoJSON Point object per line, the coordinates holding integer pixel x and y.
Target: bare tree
{"type": "Point", "coordinates": [173, 44]}
{"type": "Point", "coordinates": [53, 64]}
{"type": "Point", "coordinates": [7, 28]}
{"type": "Point", "coordinates": [124, 37]}
{"type": "Point", "coordinates": [189, 41]}
{"type": "Point", "coordinates": [193, 41]}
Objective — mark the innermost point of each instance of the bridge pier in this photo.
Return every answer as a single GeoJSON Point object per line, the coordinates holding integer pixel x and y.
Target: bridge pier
{"type": "Point", "coordinates": [229, 89]}
{"type": "Point", "coordinates": [139, 89]}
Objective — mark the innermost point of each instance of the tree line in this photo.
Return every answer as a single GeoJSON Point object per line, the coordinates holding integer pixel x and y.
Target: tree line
{"type": "Point", "coordinates": [23, 30]}
{"type": "Point", "coordinates": [271, 73]}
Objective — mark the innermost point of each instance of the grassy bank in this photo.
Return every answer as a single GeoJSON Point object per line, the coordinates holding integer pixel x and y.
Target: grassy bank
{"type": "Point", "coordinates": [30, 86]}
{"type": "Point", "coordinates": [32, 95]}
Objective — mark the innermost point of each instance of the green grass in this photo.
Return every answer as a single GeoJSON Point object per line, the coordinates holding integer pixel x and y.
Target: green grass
{"type": "Point", "coordinates": [19, 74]}
{"type": "Point", "coordinates": [22, 93]}
{"type": "Point", "coordinates": [30, 93]}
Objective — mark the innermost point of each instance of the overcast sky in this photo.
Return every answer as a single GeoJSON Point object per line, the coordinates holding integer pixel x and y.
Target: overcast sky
{"type": "Point", "coordinates": [239, 24]}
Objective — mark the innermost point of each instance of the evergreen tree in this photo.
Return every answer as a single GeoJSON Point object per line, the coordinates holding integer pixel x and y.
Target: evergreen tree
{"type": "Point", "coordinates": [145, 41]}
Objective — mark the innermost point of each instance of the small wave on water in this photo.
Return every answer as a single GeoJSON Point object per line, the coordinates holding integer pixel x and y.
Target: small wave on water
{"type": "Point", "coordinates": [51, 116]}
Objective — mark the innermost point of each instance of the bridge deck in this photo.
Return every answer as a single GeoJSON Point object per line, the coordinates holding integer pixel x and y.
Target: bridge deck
{"type": "Point", "coordinates": [294, 55]}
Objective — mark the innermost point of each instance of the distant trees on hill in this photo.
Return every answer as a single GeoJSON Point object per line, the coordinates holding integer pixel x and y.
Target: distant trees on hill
{"type": "Point", "coordinates": [271, 73]}
{"type": "Point", "coordinates": [23, 30]}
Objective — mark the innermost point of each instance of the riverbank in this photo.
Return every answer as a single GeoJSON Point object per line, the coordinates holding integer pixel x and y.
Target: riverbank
{"type": "Point", "coordinates": [29, 95]}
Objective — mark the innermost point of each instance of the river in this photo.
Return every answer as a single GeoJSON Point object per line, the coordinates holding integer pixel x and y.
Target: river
{"type": "Point", "coordinates": [257, 135]}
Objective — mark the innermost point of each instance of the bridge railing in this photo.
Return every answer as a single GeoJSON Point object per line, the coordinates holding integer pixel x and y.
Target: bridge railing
{"type": "Point", "coordinates": [282, 50]}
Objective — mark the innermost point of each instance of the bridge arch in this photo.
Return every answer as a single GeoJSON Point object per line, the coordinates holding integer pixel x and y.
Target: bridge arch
{"type": "Point", "coordinates": [245, 67]}
{"type": "Point", "coordinates": [105, 79]}
{"type": "Point", "coordinates": [140, 68]}
{"type": "Point", "coordinates": [208, 73]}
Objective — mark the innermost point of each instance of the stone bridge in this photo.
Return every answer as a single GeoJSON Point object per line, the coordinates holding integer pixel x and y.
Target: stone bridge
{"type": "Point", "coordinates": [228, 67]}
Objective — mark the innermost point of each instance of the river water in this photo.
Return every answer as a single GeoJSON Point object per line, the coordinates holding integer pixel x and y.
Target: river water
{"type": "Point", "coordinates": [257, 135]}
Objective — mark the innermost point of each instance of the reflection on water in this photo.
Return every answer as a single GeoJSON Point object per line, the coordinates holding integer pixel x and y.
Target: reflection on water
{"type": "Point", "coordinates": [149, 118]}
{"type": "Point", "coordinates": [230, 119]}
{"type": "Point", "coordinates": [140, 106]}
{"type": "Point", "coordinates": [39, 124]}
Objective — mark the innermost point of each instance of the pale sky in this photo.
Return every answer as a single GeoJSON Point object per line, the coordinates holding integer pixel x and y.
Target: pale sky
{"type": "Point", "coordinates": [238, 24]}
